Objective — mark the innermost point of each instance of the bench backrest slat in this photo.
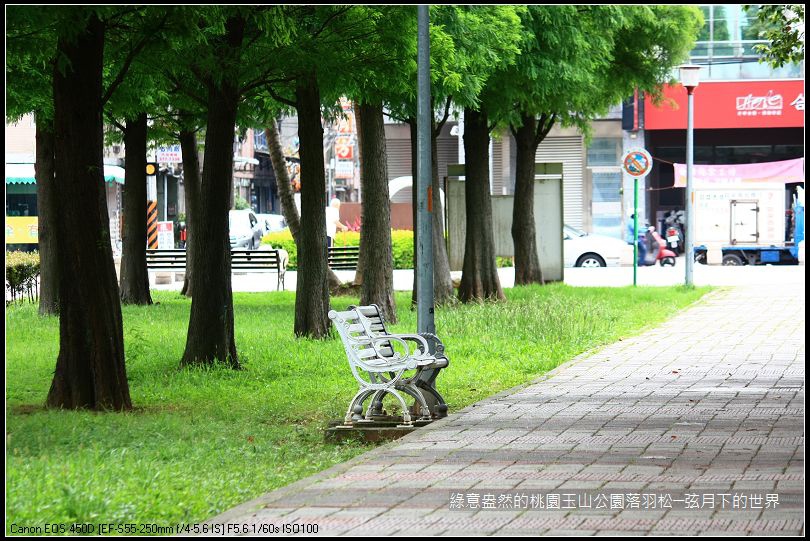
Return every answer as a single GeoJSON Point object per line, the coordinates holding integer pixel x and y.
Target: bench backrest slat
{"type": "Point", "coordinates": [240, 259]}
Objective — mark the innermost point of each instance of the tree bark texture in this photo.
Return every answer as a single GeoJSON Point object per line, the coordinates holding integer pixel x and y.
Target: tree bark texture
{"type": "Point", "coordinates": [362, 257]}
{"type": "Point", "coordinates": [46, 217]}
{"type": "Point", "coordinates": [90, 370]}
{"type": "Point", "coordinates": [442, 282]}
{"type": "Point", "coordinates": [312, 291]}
{"type": "Point", "coordinates": [134, 274]}
{"type": "Point", "coordinates": [285, 193]}
{"type": "Point", "coordinates": [191, 185]}
{"type": "Point", "coordinates": [524, 234]}
{"type": "Point", "coordinates": [211, 328]}
{"type": "Point", "coordinates": [375, 235]}
{"type": "Point", "coordinates": [479, 279]}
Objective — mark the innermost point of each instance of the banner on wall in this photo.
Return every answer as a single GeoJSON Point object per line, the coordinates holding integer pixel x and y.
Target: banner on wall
{"type": "Point", "coordinates": [746, 175]}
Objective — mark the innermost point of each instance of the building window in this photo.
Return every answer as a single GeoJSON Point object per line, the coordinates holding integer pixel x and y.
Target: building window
{"type": "Point", "coordinates": [604, 152]}
{"type": "Point", "coordinates": [726, 45]}
{"type": "Point", "coordinates": [606, 205]}
{"type": "Point", "coordinates": [259, 140]}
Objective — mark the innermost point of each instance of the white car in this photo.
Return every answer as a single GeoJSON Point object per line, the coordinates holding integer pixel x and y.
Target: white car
{"type": "Point", "coordinates": [585, 250]}
{"type": "Point", "coordinates": [272, 222]}
{"type": "Point", "coordinates": [244, 229]}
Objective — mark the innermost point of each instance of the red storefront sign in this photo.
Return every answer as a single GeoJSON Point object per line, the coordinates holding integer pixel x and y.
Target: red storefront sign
{"type": "Point", "coordinates": [736, 104]}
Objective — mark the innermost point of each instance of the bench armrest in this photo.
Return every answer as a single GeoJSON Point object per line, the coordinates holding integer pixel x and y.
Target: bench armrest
{"type": "Point", "coordinates": [398, 361]}
{"type": "Point", "coordinates": [424, 348]}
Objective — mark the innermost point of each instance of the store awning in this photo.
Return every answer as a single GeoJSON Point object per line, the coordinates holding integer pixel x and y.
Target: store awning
{"type": "Point", "coordinates": [23, 173]}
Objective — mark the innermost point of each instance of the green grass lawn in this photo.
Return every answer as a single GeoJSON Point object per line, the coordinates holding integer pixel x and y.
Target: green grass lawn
{"type": "Point", "coordinates": [201, 441]}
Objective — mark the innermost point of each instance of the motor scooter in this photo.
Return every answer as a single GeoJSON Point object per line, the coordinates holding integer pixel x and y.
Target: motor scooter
{"type": "Point", "coordinates": [657, 250]}
{"type": "Point", "coordinates": [673, 223]}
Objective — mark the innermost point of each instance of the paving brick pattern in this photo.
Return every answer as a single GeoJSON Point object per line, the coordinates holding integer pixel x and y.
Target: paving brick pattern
{"type": "Point", "coordinates": [711, 402]}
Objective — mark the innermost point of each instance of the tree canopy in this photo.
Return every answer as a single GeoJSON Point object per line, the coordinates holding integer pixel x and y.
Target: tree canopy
{"type": "Point", "coordinates": [783, 26]}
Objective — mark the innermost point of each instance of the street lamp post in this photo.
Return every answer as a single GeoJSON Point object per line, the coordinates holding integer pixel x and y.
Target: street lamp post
{"type": "Point", "coordinates": [690, 78]}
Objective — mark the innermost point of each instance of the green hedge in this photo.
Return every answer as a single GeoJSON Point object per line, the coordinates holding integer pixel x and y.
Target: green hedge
{"type": "Point", "coordinates": [401, 241]}
{"type": "Point", "coordinates": [22, 271]}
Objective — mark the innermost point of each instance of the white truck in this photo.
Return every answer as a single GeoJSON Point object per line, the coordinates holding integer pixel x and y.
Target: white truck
{"type": "Point", "coordinates": [749, 225]}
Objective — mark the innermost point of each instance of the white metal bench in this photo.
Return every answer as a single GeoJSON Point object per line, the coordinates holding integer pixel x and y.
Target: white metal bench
{"type": "Point", "coordinates": [385, 363]}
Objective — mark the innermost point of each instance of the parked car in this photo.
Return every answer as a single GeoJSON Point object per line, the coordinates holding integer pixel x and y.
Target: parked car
{"type": "Point", "coordinates": [272, 222]}
{"type": "Point", "coordinates": [245, 230]}
{"type": "Point", "coordinates": [582, 249]}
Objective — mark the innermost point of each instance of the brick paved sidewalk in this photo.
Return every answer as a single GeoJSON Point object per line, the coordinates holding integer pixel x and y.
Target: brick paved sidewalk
{"type": "Point", "coordinates": [709, 403]}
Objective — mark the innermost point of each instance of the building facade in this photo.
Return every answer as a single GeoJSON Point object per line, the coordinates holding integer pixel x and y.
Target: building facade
{"type": "Point", "coordinates": [745, 111]}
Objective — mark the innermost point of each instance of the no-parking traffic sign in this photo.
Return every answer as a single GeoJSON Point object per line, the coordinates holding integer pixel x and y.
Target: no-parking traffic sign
{"type": "Point", "coordinates": [637, 162]}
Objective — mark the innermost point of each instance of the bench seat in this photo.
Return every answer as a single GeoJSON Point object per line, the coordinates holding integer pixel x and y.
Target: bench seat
{"type": "Point", "coordinates": [241, 261]}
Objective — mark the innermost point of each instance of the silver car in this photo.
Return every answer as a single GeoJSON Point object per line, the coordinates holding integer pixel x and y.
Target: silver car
{"type": "Point", "coordinates": [244, 229]}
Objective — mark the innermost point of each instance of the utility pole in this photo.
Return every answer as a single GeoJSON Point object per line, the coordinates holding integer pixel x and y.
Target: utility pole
{"type": "Point", "coordinates": [424, 272]}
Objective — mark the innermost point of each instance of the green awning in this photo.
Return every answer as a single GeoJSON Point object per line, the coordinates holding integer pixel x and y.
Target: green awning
{"type": "Point", "coordinates": [23, 173]}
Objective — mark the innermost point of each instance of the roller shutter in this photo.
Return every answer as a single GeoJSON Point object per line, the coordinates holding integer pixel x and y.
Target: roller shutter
{"type": "Point", "coordinates": [569, 151]}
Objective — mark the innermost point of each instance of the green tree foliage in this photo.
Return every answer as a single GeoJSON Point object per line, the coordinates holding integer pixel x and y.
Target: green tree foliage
{"type": "Point", "coordinates": [576, 62]}
{"type": "Point", "coordinates": [783, 26]}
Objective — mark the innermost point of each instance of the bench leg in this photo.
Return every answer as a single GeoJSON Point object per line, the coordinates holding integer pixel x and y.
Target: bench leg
{"type": "Point", "coordinates": [358, 399]}
{"type": "Point", "coordinates": [421, 408]}
{"type": "Point", "coordinates": [436, 404]}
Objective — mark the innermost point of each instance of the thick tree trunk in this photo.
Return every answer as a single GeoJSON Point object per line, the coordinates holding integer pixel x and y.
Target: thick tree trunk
{"type": "Point", "coordinates": [211, 329]}
{"type": "Point", "coordinates": [479, 279]}
{"type": "Point", "coordinates": [90, 370]}
{"type": "Point", "coordinates": [191, 184]}
{"type": "Point", "coordinates": [312, 292]}
{"type": "Point", "coordinates": [285, 193]}
{"type": "Point", "coordinates": [134, 274]}
{"type": "Point", "coordinates": [375, 236]}
{"type": "Point", "coordinates": [524, 235]}
{"type": "Point", "coordinates": [46, 213]}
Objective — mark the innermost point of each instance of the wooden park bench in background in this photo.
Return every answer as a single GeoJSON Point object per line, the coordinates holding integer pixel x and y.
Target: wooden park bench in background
{"type": "Point", "coordinates": [343, 257]}
{"type": "Point", "coordinates": [241, 261]}
{"type": "Point", "coordinates": [385, 363]}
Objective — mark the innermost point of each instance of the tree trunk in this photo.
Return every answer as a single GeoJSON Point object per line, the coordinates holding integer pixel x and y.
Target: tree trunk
{"type": "Point", "coordinates": [312, 291]}
{"type": "Point", "coordinates": [375, 236]}
{"type": "Point", "coordinates": [524, 235]}
{"type": "Point", "coordinates": [191, 183]}
{"type": "Point", "coordinates": [442, 282]}
{"type": "Point", "coordinates": [285, 193]}
{"type": "Point", "coordinates": [479, 279]}
{"type": "Point", "coordinates": [134, 274]}
{"type": "Point", "coordinates": [363, 255]}
{"type": "Point", "coordinates": [211, 329]}
{"type": "Point", "coordinates": [90, 370]}
{"type": "Point", "coordinates": [46, 212]}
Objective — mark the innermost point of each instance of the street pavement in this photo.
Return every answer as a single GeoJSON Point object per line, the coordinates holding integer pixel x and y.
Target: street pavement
{"type": "Point", "coordinates": [591, 277]}
{"type": "Point", "coordinates": [693, 427]}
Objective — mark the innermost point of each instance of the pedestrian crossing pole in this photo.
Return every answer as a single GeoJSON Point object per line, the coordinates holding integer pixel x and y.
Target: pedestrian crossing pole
{"type": "Point", "coordinates": [151, 205]}
{"type": "Point", "coordinates": [151, 225]}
